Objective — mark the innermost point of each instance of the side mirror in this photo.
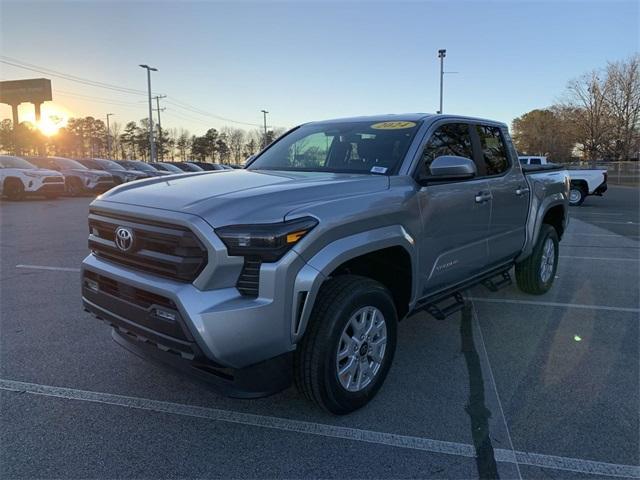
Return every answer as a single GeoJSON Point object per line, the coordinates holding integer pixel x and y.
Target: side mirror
{"type": "Point", "coordinates": [451, 167]}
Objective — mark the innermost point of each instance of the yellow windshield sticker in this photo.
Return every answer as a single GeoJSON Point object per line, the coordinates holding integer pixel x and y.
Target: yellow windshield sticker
{"type": "Point", "coordinates": [392, 125]}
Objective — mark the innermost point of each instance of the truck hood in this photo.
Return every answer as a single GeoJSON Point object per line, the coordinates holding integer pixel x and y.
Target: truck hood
{"type": "Point", "coordinates": [225, 197]}
{"type": "Point", "coordinates": [44, 172]}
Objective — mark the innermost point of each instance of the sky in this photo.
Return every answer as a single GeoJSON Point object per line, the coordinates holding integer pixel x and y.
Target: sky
{"type": "Point", "coordinates": [306, 61]}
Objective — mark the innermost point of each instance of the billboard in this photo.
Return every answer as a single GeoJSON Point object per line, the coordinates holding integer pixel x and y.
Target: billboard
{"type": "Point", "coordinates": [35, 90]}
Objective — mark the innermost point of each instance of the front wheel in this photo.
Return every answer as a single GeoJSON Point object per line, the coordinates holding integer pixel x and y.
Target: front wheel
{"type": "Point", "coordinates": [14, 189]}
{"type": "Point", "coordinates": [536, 273]}
{"type": "Point", "coordinates": [349, 345]}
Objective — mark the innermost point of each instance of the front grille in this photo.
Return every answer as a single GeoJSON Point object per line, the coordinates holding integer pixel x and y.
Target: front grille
{"type": "Point", "coordinates": [167, 250]}
{"type": "Point", "coordinates": [249, 279]}
{"type": "Point", "coordinates": [105, 180]}
{"type": "Point", "coordinates": [53, 180]}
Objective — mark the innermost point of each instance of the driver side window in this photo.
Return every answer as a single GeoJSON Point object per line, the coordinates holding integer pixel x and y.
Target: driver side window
{"type": "Point", "coordinates": [448, 139]}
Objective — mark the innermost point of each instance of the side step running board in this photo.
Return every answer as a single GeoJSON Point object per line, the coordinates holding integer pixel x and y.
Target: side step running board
{"type": "Point", "coordinates": [445, 307]}
{"type": "Point", "coordinates": [498, 282]}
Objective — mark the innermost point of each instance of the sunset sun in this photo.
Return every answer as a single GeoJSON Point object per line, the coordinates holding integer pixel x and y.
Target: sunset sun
{"type": "Point", "coordinates": [53, 117]}
{"type": "Point", "coordinates": [51, 124]}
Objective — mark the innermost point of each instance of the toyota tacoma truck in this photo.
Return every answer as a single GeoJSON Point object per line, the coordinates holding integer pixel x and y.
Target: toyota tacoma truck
{"type": "Point", "coordinates": [300, 266]}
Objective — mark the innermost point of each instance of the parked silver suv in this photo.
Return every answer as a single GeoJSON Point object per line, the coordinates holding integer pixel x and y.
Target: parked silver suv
{"type": "Point", "coordinates": [301, 265]}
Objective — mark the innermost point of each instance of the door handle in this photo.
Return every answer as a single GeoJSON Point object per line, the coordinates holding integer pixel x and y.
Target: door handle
{"type": "Point", "coordinates": [521, 191]}
{"type": "Point", "coordinates": [482, 197]}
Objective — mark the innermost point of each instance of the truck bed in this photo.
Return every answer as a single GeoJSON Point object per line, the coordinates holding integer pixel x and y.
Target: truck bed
{"type": "Point", "coordinates": [549, 167]}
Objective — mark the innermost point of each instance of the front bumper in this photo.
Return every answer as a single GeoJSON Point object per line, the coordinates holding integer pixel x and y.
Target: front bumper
{"type": "Point", "coordinates": [99, 187]}
{"type": "Point", "coordinates": [155, 319]}
{"type": "Point", "coordinates": [227, 328]}
{"type": "Point", "coordinates": [601, 189]}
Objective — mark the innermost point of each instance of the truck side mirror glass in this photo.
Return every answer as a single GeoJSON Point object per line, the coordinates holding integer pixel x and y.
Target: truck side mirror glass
{"type": "Point", "coordinates": [452, 167]}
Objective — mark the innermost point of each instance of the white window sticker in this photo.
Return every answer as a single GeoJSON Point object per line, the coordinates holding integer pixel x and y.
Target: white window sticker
{"type": "Point", "coordinates": [378, 170]}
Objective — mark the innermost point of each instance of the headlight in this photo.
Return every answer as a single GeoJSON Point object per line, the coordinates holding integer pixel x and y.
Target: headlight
{"type": "Point", "coordinates": [268, 241]}
{"type": "Point", "coordinates": [33, 174]}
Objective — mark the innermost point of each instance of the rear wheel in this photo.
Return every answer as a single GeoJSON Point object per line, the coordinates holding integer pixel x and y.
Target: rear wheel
{"type": "Point", "coordinates": [348, 348]}
{"type": "Point", "coordinates": [13, 189]}
{"type": "Point", "coordinates": [536, 273]}
{"type": "Point", "coordinates": [577, 194]}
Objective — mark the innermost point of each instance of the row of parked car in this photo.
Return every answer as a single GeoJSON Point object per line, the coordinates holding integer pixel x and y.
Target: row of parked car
{"type": "Point", "coordinates": [52, 177]}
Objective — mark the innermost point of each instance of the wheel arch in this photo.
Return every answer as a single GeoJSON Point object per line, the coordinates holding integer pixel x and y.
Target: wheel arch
{"type": "Point", "coordinates": [379, 254]}
{"type": "Point", "coordinates": [581, 184]}
{"type": "Point", "coordinates": [553, 210]}
{"type": "Point", "coordinates": [11, 179]}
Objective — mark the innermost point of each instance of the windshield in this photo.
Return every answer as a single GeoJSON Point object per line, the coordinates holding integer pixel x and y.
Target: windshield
{"type": "Point", "coordinates": [169, 168]}
{"type": "Point", "coordinates": [108, 164]}
{"type": "Point", "coordinates": [141, 166]}
{"type": "Point", "coordinates": [7, 161]}
{"type": "Point", "coordinates": [351, 147]}
{"type": "Point", "coordinates": [67, 163]}
{"type": "Point", "coordinates": [192, 167]}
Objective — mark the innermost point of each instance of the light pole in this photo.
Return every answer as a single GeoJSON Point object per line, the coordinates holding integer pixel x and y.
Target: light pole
{"type": "Point", "coordinates": [441, 54]}
{"type": "Point", "coordinates": [152, 145]}
{"type": "Point", "coordinates": [109, 136]}
{"type": "Point", "coordinates": [264, 113]}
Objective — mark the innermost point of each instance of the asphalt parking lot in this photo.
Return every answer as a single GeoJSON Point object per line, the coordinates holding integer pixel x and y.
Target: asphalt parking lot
{"type": "Point", "coordinates": [517, 386]}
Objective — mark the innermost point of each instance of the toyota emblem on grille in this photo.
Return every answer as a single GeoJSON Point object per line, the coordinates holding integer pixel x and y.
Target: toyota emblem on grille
{"type": "Point", "coordinates": [124, 238]}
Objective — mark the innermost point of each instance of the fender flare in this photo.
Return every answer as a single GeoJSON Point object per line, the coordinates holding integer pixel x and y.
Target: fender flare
{"type": "Point", "coordinates": [534, 223]}
{"type": "Point", "coordinates": [319, 267]}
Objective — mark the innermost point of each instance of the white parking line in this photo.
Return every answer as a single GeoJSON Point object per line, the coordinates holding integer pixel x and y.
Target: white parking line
{"type": "Point", "coordinates": [43, 267]}
{"type": "Point", "coordinates": [612, 223]}
{"type": "Point", "coordinates": [332, 431]}
{"type": "Point", "coordinates": [578, 215]}
{"type": "Point", "coordinates": [555, 304]}
{"type": "Point", "coordinates": [612, 259]}
{"type": "Point", "coordinates": [577, 234]}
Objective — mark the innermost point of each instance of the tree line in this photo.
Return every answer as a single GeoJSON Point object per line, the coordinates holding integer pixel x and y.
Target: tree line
{"type": "Point", "coordinates": [88, 138]}
{"type": "Point", "coordinates": [597, 118]}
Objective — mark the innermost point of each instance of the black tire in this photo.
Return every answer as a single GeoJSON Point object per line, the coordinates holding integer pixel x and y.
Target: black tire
{"type": "Point", "coordinates": [580, 194]}
{"type": "Point", "coordinates": [529, 272]}
{"type": "Point", "coordinates": [13, 189]}
{"type": "Point", "coordinates": [74, 187]}
{"type": "Point", "coordinates": [315, 362]}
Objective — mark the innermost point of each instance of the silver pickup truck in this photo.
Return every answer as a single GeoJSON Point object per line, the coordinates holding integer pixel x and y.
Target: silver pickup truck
{"type": "Point", "coordinates": [300, 266]}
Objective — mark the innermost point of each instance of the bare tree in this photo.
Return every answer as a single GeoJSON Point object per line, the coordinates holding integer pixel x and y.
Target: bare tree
{"type": "Point", "coordinates": [586, 99]}
{"type": "Point", "coordinates": [235, 142]}
{"type": "Point", "coordinates": [623, 103]}
{"type": "Point", "coordinates": [183, 143]}
{"type": "Point", "coordinates": [115, 128]}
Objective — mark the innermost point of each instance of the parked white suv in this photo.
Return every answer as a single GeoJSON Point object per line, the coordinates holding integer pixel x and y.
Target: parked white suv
{"type": "Point", "coordinates": [19, 178]}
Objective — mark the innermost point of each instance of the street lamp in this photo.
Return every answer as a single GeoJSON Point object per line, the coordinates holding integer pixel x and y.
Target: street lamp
{"type": "Point", "coordinates": [441, 54]}
{"type": "Point", "coordinates": [109, 136]}
{"type": "Point", "coordinates": [152, 145]}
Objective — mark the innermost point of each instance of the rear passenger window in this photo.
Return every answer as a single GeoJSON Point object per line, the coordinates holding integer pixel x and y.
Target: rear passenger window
{"type": "Point", "coordinates": [494, 151]}
{"type": "Point", "coordinates": [449, 139]}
